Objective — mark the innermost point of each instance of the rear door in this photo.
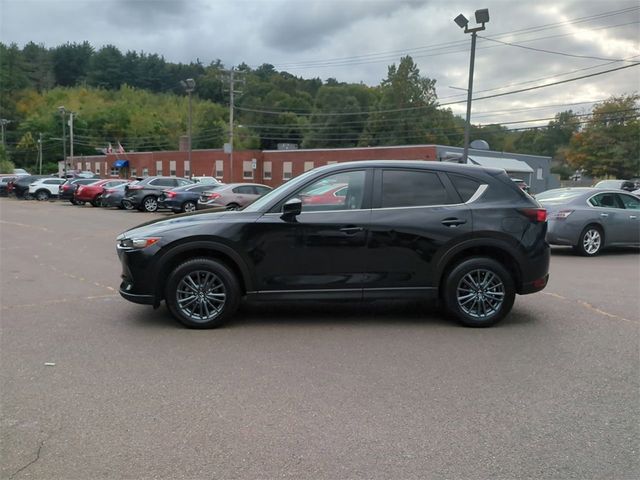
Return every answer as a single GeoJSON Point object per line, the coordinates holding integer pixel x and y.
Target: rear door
{"type": "Point", "coordinates": [416, 214]}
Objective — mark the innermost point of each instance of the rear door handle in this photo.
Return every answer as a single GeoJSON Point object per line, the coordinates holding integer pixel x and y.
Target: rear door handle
{"type": "Point", "coordinates": [453, 222]}
{"type": "Point", "coordinates": [604, 214]}
{"type": "Point", "coordinates": [632, 217]}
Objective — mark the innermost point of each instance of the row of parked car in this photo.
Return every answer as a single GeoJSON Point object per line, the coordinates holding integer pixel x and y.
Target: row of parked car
{"type": "Point", "coordinates": [589, 219]}
{"type": "Point", "coordinates": [145, 194]}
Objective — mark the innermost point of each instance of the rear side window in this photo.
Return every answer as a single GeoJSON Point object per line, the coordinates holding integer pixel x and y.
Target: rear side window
{"type": "Point", "coordinates": [245, 189]}
{"type": "Point", "coordinates": [163, 182]}
{"type": "Point", "coordinates": [412, 188]}
{"type": "Point", "coordinates": [465, 186]}
{"type": "Point", "coordinates": [606, 200]}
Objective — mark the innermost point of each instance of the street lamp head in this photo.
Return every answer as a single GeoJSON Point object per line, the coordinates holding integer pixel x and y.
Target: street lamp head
{"type": "Point", "coordinates": [461, 21]}
{"type": "Point", "coordinates": [191, 83]}
{"type": "Point", "coordinates": [482, 15]}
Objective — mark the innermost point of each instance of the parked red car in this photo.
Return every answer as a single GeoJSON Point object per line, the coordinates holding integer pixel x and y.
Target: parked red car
{"type": "Point", "coordinates": [92, 192]}
{"type": "Point", "coordinates": [331, 194]}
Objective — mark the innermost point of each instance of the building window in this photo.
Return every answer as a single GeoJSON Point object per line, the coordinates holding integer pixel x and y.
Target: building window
{"type": "Point", "coordinates": [287, 170]}
{"type": "Point", "coordinates": [539, 176]}
{"type": "Point", "coordinates": [308, 166]}
{"type": "Point", "coordinates": [98, 168]}
{"type": "Point", "coordinates": [266, 174]}
{"type": "Point", "coordinates": [331, 161]}
{"type": "Point", "coordinates": [187, 169]}
{"type": "Point", "coordinates": [79, 165]}
{"type": "Point", "coordinates": [133, 171]}
{"type": "Point", "coordinates": [145, 172]}
{"type": "Point", "coordinates": [159, 167]}
{"type": "Point", "coordinates": [87, 166]}
{"type": "Point", "coordinates": [247, 170]}
{"type": "Point", "coordinates": [172, 168]}
{"type": "Point", "coordinates": [114, 172]}
{"type": "Point", "coordinates": [219, 168]}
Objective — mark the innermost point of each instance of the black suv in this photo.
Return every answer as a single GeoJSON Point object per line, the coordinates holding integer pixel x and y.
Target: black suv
{"type": "Point", "coordinates": [144, 194]}
{"type": "Point", "coordinates": [402, 229]}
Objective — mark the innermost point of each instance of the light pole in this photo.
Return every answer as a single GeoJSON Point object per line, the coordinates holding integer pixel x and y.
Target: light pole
{"type": "Point", "coordinates": [63, 112]}
{"type": "Point", "coordinates": [189, 86]}
{"type": "Point", "coordinates": [482, 17]}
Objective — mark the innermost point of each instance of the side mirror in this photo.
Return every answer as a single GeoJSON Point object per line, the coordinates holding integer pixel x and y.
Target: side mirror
{"type": "Point", "coordinates": [291, 208]}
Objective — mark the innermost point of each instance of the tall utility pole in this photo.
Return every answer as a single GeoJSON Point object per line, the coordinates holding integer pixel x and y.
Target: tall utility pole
{"type": "Point", "coordinates": [482, 17]}
{"type": "Point", "coordinates": [71, 139]}
{"type": "Point", "coordinates": [62, 111]}
{"type": "Point", "coordinates": [3, 123]}
{"type": "Point", "coordinates": [40, 154]}
{"type": "Point", "coordinates": [231, 90]}
{"type": "Point", "coordinates": [189, 86]}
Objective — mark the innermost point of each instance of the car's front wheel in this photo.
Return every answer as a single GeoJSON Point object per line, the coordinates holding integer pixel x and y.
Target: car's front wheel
{"type": "Point", "coordinates": [150, 204]}
{"type": "Point", "coordinates": [590, 242]}
{"type": "Point", "coordinates": [97, 201]}
{"type": "Point", "coordinates": [202, 293]}
{"type": "Point", "coordinates": [478, 292]}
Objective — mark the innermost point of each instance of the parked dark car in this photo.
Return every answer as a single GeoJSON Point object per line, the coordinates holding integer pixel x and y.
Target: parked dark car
{"type": "Point", "coordinates": [4, 185]}
{"type": "Point", "coordinates": [185, 198]}
{"type": "Point", "coordinates": [68, 189]}
{"type": "Point", "coordinates": [21, 185]}
{"type": "Point", "coordinates": [114, 197]}
{"type": "Point", "coordinates": [92, 192]}
{"type": "Point", "coordinates": [591, 219]}
{"type": "Point", "coordinates": [416, 230]}
{"type": "Point", "coordinates": [144, 194]}
{"type": "Point", "coordinates": [627, 185]}
{"type": "Point", "coordinates": [232, 196]}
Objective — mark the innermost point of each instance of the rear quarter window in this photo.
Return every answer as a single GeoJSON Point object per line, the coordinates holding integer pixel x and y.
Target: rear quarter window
{"type": "Point", "coordinates": [465, 186]}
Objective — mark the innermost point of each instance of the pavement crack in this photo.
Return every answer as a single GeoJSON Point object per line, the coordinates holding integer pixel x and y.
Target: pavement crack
{"type": "Point", "coordinates": [21, 469]}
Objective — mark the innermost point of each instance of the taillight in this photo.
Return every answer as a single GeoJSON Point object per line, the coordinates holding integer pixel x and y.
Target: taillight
{"type": "Point", "coordinates": [560, 215]}
{"type": "Point", "coordinates": [170, 194]}
{"type": "Point", "coordinates": [538, 215]}
{"type": "Point", "coordinates": [213, 196]}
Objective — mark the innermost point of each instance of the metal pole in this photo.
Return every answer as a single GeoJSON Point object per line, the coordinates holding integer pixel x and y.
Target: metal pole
{"type": "Point", "coordinates": [64, 143]}
{"type": "Point", "coordinates": [40, 154]}
{"type": "Point", "coordinates": [189, 92]}
{"type": "Point", "coordinates": [71, 139]}
{"type": "Point", "coordinates": [3, 122]}
{"type": "Point", "coordinates": [231, 127]}
{"type": "Point", "coordinates": [467, 126]}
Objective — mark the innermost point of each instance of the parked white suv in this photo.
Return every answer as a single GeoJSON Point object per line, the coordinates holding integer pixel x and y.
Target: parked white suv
{"type": "Point", "coordinates": [44, 188]}
{"type": "Point", "coordinates": [206, 180]}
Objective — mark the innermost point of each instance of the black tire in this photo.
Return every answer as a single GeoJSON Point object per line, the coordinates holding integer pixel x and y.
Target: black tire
{"type": "Point", "coordinates": [590, 242]}
{"type": "Point", "coordinates": [149, 204]}
{"type": "Point", "coordinates": [126, 205]}
{"type": "Point", "coordinates": [202, 277]}
{"type": "Point", "coordinates": [96, 202]}
{"type": "Point", "coordinates": [189, 206]}
{"type": "Point", "coordinates": [478, 292]}
{"type": "Point", "coordinates": [233, 206]}
{"type": "Point", "coordinates": [73, 201]}
{"type": "Point", "coordinates": [42, 195]}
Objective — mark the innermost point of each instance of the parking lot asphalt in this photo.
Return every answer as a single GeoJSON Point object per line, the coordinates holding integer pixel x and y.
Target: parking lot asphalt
{"type": "Point", "coordinates": [96, 387]}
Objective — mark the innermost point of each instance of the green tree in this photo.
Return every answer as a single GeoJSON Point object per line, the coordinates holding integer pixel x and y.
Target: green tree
{"type": "Point", "coordinates": [71, 62]}
{"type": "Point", "coordinates": [609, 144]}
{"type": "Point", "coordinates": [6, 166]}
{"type": "Point", "coordinates": [106, 68]}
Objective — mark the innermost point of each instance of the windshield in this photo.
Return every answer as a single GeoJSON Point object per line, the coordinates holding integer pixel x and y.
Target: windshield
{"type": "Point", "coordinates": [559, 195]}
{"type": "Point", "coordinates": [263, 201]}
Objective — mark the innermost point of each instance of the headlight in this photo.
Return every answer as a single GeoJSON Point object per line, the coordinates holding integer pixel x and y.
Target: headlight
{"type": "Point", "coordinates": [136, 243]}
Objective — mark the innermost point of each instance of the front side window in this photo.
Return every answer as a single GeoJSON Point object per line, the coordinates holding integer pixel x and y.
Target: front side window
{"type": "Point", "coordinates": [340, 191]}
{"type": "Point", "coordinates": [412, 188]}
{"type": "Point", "coordinates": [630, 202]}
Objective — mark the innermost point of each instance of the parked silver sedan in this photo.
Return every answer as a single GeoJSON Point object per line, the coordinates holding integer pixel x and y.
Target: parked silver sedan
{"type": "Point", "coordinates": [590, 219]}
{"type": "Point", "coordinates": [233, 196]}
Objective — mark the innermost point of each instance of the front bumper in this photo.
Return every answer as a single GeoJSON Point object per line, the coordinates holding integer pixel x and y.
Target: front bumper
{"type": "Point", "coordinates": [125, 291]}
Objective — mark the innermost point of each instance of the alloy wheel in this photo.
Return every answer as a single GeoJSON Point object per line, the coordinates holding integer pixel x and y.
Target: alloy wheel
{"type": "Point", "coordinates": [150, 204]}
{"type": "Point", "coordinates": [201, 296]}
{"type": "Point", "coordinates": [480, 293]}
{"type": "Point", "coordinates": [591, 241]}
{"type": "Point", "coordinates": [189, 207]}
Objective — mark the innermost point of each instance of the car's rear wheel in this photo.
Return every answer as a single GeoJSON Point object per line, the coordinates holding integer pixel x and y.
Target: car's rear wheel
{"type": "Point", "coordinates": [42, 195]}
{"type": "Point", "coordinates": [479, 292]}
{"type": "Point", "coordinates": [189, 206]}
{"type": "Point", "coordinates": [96, 202]}
{"type": "Point", "coordinates": [202, 293]}
{"type": "Point", "coordinates": [127, 205]}
{"type": "Point", "coordinates": [150, 204]}
{"type": "Point", "coordinates": [590, 242]}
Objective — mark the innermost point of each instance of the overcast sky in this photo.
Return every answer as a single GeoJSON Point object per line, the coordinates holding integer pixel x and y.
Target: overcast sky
{"type": "Point", "coordinates": [356, 40]}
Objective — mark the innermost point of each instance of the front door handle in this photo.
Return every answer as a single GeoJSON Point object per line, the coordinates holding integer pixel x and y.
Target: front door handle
{"type": "Point", "coordinates": [604, 214]}
{"type": "Point", "coordinates": [453, 222]}
{"type": "Point", "coordinates": [633, 217]}
{"type": "Point", "coordinates": [351, 230]}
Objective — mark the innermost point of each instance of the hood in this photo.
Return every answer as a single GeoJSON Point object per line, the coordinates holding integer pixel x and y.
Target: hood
{"type": "Point", "coordinates": [186, 220]}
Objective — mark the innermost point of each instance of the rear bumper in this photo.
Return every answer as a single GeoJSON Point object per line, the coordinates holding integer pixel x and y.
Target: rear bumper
{"type": "Point", "coordinates": [535, 286]}
{"type": "Point", "coordinates": [561, 232]}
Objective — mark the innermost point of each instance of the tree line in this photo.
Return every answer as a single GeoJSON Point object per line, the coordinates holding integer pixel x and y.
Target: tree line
{"type": "Point", "coordinates": [136, 99]}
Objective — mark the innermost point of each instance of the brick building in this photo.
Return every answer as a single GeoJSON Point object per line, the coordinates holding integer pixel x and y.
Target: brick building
{"type": "Point", "coordinates": [274, 167]}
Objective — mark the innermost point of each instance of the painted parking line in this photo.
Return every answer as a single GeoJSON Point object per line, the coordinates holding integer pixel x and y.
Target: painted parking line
{"type": "Point", "coordinates": [590, 307]}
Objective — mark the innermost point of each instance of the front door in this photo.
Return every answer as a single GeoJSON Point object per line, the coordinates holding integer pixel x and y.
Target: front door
{"type": "Point", "coordinates": [631, 217]}
{"type": "Point", "coordinates": [322, 251]}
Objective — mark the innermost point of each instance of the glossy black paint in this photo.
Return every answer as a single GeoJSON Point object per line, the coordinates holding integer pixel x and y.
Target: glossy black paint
{"type": "Point", "coordinates": [191, 193]}
{"type": "Point", "coordinates": [144, 188]}
{"type": "Point", "coordinates": [370, 252]}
